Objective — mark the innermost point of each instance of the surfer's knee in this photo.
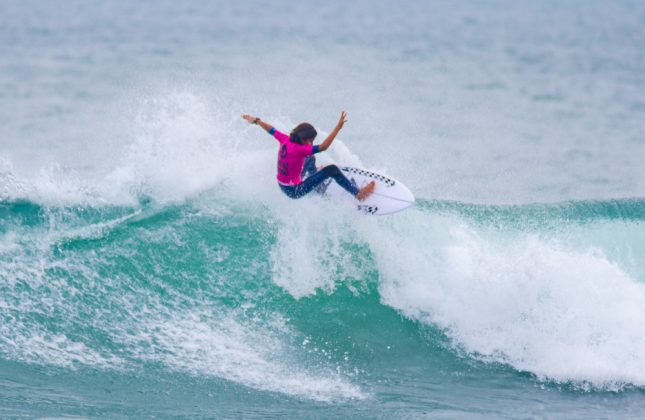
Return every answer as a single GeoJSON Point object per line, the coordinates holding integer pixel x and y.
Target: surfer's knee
{"type": "Point", "coordinates": [331, 170]}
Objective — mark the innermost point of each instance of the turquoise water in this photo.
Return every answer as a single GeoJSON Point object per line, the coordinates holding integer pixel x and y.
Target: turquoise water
{"type": "Point", "coordinates": [149, 265]}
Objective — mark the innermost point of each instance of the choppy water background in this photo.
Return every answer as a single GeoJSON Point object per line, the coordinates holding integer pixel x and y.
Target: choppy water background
{"type": "Point", "coordinates": [149, 265]}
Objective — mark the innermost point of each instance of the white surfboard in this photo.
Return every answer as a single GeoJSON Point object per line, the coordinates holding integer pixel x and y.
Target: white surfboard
{"type": "Point", "coordinates": [389, 196]}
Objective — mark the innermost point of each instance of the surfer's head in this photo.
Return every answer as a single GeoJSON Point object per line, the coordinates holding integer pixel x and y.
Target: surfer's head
{"type": "Point", "coordinates": [304, 133]}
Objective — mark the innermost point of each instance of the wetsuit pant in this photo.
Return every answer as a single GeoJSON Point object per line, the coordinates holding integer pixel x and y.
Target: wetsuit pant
{"type": "Point", "coordinates": [305, 187]}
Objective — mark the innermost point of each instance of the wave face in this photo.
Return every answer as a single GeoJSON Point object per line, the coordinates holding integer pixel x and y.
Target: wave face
{"type": "Point", "coordinates": [318, 308]}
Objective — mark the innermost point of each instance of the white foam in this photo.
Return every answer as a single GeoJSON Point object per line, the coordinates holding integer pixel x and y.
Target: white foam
{"type": "Point", "coordinates": [31, 296]}
{"type": "Point", "coordinates": [254, 355]}
{"type": "Point", "coordinates": [562, 313]}
{"type": "Point", "coordinates": [178, 145]}
{"type": "Point", "coordinates": [40, 347]}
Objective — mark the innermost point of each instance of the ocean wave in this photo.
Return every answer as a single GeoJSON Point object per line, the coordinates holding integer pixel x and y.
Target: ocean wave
{"type": "Point", "coordinates": [553, 289]}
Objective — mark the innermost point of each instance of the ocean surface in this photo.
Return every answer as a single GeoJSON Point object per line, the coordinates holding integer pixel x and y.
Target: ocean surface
{"type": "Point", "coordinates": [150, 266]}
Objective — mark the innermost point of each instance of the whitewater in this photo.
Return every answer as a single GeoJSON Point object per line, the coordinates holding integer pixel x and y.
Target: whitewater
{"type": "Point", "coordinates": [150, 266]}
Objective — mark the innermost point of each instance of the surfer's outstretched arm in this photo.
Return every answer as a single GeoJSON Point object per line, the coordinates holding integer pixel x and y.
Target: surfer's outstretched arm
{"type": "Point", "coordinates": [255, 120]}
{"type": "Point", "coordinates": [330, 138]}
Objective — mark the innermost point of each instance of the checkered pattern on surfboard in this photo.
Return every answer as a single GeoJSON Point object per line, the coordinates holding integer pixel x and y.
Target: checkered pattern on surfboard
{"type": "Point", "coordinates": [387, 181]}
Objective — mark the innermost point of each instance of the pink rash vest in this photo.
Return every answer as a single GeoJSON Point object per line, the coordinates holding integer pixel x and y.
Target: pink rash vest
{"type": "Point", "coordinates": [291, 158]}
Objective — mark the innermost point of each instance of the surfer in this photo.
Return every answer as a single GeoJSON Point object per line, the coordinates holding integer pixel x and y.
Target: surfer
{"type": "Point", "coordinates": [295, 148]}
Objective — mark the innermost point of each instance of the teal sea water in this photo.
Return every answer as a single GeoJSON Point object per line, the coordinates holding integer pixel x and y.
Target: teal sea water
{"type": "Point", "coordinates": [150, 267]}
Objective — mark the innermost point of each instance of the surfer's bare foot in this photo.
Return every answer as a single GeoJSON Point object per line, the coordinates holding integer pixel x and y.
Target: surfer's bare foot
{"type": "Point", "coordinates": [366, 191]}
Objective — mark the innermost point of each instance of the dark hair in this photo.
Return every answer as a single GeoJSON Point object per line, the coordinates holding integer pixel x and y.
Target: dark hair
{"type": "Point", "coordinates": [303, 131]}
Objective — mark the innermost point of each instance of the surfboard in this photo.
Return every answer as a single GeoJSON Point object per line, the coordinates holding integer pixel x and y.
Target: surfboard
{"type": "Point", "coordinates": [389, 196]}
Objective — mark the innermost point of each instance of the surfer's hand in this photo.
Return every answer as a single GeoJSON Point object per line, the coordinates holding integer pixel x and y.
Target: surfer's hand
{"type": "Point", "coordinates": [249, 118]}
{"type": "Point", "coordinates": [342, 120]}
